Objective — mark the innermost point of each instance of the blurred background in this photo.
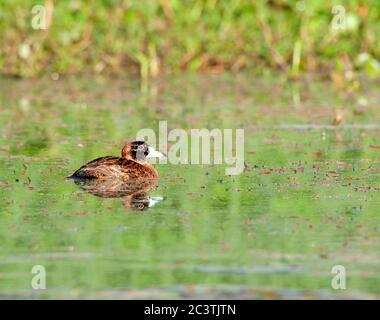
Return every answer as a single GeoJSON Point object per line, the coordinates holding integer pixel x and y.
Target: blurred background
{"type": "Point", "coordinates": [165, 36]}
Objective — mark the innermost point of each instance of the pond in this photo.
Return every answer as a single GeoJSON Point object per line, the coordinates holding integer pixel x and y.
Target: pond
{"type": "Point", "coordinates": [308, 199]}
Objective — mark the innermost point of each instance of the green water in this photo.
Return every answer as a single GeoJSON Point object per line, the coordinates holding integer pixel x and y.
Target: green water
{"type": "Point", "coordinates": [309, 198]}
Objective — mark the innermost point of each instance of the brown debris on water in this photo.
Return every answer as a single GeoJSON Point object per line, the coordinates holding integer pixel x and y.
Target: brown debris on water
{"type": "Point", "coordinates": [338, 118]}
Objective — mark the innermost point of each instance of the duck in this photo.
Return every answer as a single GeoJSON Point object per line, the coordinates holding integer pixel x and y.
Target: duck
{"type": "Point", "coordinates": [132, 166]}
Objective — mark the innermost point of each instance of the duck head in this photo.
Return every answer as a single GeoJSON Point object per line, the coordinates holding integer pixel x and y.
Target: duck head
{"type": "Point", "coordinates": [139, 151]}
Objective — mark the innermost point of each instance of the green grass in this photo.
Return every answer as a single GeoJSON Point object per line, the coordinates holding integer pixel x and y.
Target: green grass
{"type": "Point", "coordinates": [152, 37]}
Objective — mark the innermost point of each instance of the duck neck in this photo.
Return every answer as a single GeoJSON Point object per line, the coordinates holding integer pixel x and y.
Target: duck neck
{"type": "Point", "coordinates": [151, 168]}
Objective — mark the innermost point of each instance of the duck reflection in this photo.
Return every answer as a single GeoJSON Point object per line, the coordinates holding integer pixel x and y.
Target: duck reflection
{"type": "Point", "coordinates": [134, 194]}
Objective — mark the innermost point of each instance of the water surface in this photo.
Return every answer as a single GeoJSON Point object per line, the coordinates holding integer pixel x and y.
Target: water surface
{"type": "Point", "coordinates": [308, 199]}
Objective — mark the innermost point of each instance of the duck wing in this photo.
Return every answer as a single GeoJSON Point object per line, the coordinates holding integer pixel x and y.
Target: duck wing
{"type": "Point", "coordinates": [98, 168]}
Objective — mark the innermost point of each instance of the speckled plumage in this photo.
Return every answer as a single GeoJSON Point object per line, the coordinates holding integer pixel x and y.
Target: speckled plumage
{"type": "Point", "coordinates": [115, 167]}
{"type": "Point", "coordinates": [130, 166]}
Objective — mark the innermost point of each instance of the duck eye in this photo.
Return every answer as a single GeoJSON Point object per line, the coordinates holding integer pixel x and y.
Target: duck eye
{"type": "Point", "coordinates": [140, 148]}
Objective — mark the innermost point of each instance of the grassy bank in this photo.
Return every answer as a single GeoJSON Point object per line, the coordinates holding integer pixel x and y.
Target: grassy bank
{"type": "Point", "coordinates": [151, 37]}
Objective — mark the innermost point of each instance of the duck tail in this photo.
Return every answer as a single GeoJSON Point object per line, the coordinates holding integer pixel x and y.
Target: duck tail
{"type": "Point", "coordinates": [71, 177]}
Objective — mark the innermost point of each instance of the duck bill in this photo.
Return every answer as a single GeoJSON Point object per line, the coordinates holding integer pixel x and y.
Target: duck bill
{"type": "Point", "coordinates": [154, 153]}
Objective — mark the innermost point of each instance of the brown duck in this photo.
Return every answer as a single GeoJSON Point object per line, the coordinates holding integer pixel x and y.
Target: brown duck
{"type": "Point", "coordinates": [131, 166]}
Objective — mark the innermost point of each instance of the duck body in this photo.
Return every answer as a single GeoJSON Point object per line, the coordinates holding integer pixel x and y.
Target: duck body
{"type": "Point", "coordinates": [131, 166]}
{"type": "Point", "coordinates": [116, 168]}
